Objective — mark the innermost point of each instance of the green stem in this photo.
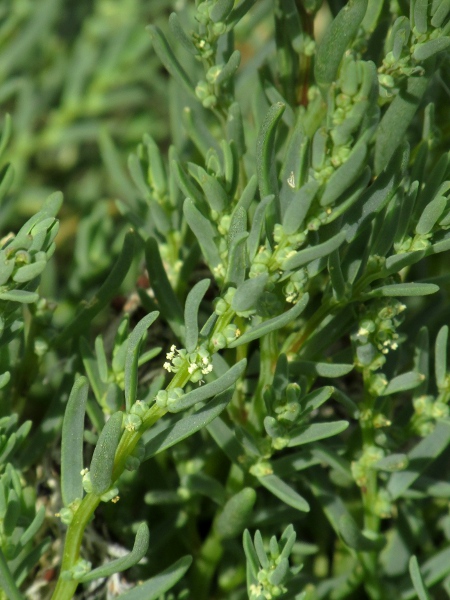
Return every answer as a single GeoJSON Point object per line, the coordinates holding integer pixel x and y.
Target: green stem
{"type": "Point", "coordinates": [65, 590]}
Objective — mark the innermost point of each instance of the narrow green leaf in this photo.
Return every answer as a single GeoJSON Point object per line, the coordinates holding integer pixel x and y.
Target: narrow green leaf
{"type": "Point", "coordinates": [239, 11]}
{"type": "Point", "coordinates": [316, 398]}
{"type": "Point", "coordinates": [251, 556]}
{"type": "Point", "coordinates": [91, 366]}
{"type": "Point", "coordinates": [171, 434]}
{"type": "Point", "coordinates": [315, 431]}
{"type": "Point", "coordinates": [103, 458]}
{"type": "Point", "coordinates": [140, 548]}
{"type": "Point", "coordinates": [12, 513]}
{"type": "Point", "coordinates": [102, 361]}
{"type": "Point", "coordinates": [181, 35]}
{"type": "Point", "coordinates": [396, 120]}
{"type": "Point", "coordinates": [237, 262]}
{"type": "Point", "coordinates": [235, 514]}
{"type": "Point", "coordinates": [220, 10]}
{"type": "Point", "coordinates": [321, 369]}
{"type": "Point", "coordinates": [7, 583]}
{"type": "Point", "coordinates": [168, 302]}
{"type": "Point", "coordinates": [419, 458]}
{"type": "Point", "coordinates": [132, 358]}
{"type": "Point", "coordinates": [431, 215]}
{"type": "Point", "coordinates": [6, 133]}
{"type": "Point", "coordinates": [303, 257]}
{"type": "Point", "coordinates": [402, 383]}
{"type": "Point", "coordinates": [271, 324]}
{"type": "Point", "coordinates": [417, 580]}
{"type": "Point", "coordinates": [433, 570]}
{"type": "Point", "coordinates": [284, 492]}
{"type": "Point", "coordinates": [420, 15]}
{"type": "Point", "coordinates": [188, 187]}
{"type": "Point", "coordinates": [168, 58]}
{"type": "Point", "coordinates": [72, 442]}
{"type": "Point", "coordinates": [336, 275]}
{"type": "Point", "coordinates": [215, 195]}
{"type": "Point", "coordinates": [346, 175]}
{"type": "Point", "coordinates": [260, 550]}
{"type": "Point", "coordinates": [397, 262]}
{"type": "Point", "coordinates": [377, 196]}
{"type": "Point", "coordinates": [153, 588]}
{"type": "Point", "coordinates": [33, 527]}
{"type": "Point", "coordinates": [298, 207]}
{"type": "Point", "coordinates": [210, 389]}
{"type": "Point", "coordinates": [197, 130]}
{"type": "Point", "coordinates": [235, 128]}
{"type": "Point", "coordinates": [428, 49]}
{"type": "Point", "coordinates": [29, 272]}
{"type": "Point", "coordinates": [403, 289]}
{"type": "Point", "coordinates": [294, 171]}
{"type": "Point", "coordinates": [203, 231]}
{"type": "Point", "coordinates": [440, 357]}
{"type": "Point", "coordinates": [279, 574]}
{"type": "Point", "coordinates": [439, 11]}
{"type": "Point", "coordinates": [337, 38]}
{"type": "Point", "coordinates": [230, 166]}
{"type": "Point", "coordinates": [6, 180]}
{"type": "Point", "coordinates": [254, 237]}
{"type": "Point", "coordinates": [248, 293]}
{"type": "Point", "coordinates": [191, 309]}
{"type": "Point", "coordinates": [228, 71]}
{"type": "Point", "coordinates": [21, 296]}
{"type": "Point", "coordinates": [265, 151]}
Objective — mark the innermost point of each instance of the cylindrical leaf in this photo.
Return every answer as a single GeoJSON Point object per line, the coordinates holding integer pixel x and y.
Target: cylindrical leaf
{"type": "Point", "coordinates": [235, 514]}
{"type": "Point", "coordinates": [265, 151]}
{"type": "Point", "coordinates": [337, 39]}
{"type": "Point", "coordinates": [316, 431]}
{"type": "Point", "coordinates": [403, 382]}
{"type": "Point", "coordinates": [429, 49]}
{"type": "Point", "coordinates": [440, 357]}
{"type": "Point", "coordinates": [103, 458]}
{"type": "Point", "coordinates": [140, 548]}
{"type": "Point", "coordinates": [248, 293]}
{"type": "Point", "coordinates": [193, 301]}
{"type": "Point", "coordinates": [132, 357]}
{"type": "Point", "coordinates": [72, 442]}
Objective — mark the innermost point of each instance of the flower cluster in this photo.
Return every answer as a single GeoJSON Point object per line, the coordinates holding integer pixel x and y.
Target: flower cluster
{"type": "Point", "coordinates": [404, 53]}
{"type": "Point", "coordinates": [377, 333]}
{"type": "Point", "coordinates": [362, 466]}
{"type": "Point", "coordinates": [199, 362]}
{"type": "Point", "coordinates": [426, 411]}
